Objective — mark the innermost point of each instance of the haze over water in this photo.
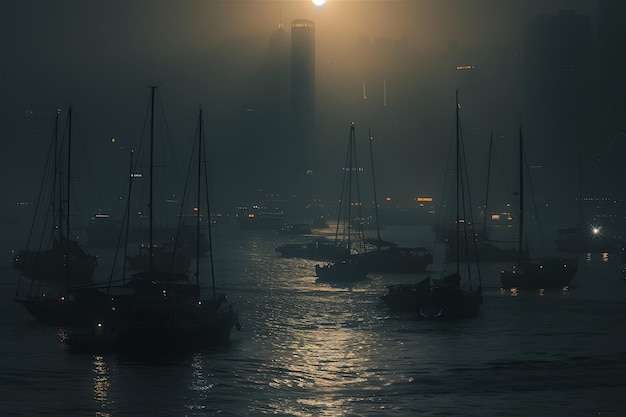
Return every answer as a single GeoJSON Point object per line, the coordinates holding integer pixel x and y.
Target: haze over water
{"type": "Point", "coordinates": [310, 349]}
{"type": "Point", "coordinates": [392, 67]}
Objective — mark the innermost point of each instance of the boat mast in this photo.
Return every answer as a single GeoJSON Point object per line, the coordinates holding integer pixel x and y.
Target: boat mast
{"type": "Point", "coordinates": [350, 167]}
{"type": "Point", "coordinates": [458, 180]}
{"type": "Point", "coordinates": [57, 210]}
{"type": "Point", "coordinates": [521, 197]}
{"type": "Point", "coordinates": [150, 208]}
{"type": "Point", "coordinates": [202, 148]}
{"type": "Point", "coordinates": [127, 213]}
{"type": "Point", "coordinates": [198, 188]}
{"type": "Point", "coordinates": [484, 237]}
{"type": "Point", "coordinates": [67, 211]}
{"type": "Point", "coordinates": [374, 184]}
{"type": "Point", "coordinates": [341, 221]}
{"type": "Point", "coordinates": [580, 192]}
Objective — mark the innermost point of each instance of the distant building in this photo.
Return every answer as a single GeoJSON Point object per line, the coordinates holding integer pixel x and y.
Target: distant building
{"type": "Point", "coordinates": [558, 119]}
{"type": "Point", "coordinates": [611, 89]}
{"type": "Point", "coordinates": [302, 104]}
{"type": "Point", "coordinates": [303, 77]}
{"type": "Point", "coordinates": [558, 75]}
{"type": "Point", "coordinates": [612, 54]}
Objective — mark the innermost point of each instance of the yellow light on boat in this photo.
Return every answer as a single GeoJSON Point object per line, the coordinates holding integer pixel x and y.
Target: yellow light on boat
{"type": "Point", "coordinates": [99, 324]}
{"type": "Point", "coordinates": [251, 216]}
{"type": "Point", "coordinates": [112, 140]}
{"type": "Point", "coordinates": [62, 298]}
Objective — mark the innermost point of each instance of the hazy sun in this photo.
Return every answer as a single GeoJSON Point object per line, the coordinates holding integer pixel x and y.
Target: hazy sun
{"type": "Point", "coordinates": [319, 2]}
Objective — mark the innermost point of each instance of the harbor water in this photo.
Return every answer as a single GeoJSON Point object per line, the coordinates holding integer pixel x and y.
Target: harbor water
{"type": "Point", "coordinates": [317, 349]}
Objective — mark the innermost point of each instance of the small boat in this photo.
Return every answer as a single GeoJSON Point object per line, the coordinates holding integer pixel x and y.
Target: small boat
{"type": "Point", "coordinates": [535, 274]}
{"type": "Point", "coordinates": [319, 249]}
{"type": "Point", "coordinates": [490, 250]}
{"type": "Point", "coordinates": [387, 256]}
{"type": "Point", "coordinates": [396, 259]}
{"type": "Point", "coordinates": [56, 257]}
{"type": "Point", "coordinates": [161, 309]}
{"type": "Point", "coordinates": [348, 267]}
{"type": "Point", "coordinates": [64, 260]}
{"type": "Point", "coordinates": [343, 270]}
{"type": "Point", "coordinates": [407, 297]}
{"type": "Point", "coordinates": [454, 295]}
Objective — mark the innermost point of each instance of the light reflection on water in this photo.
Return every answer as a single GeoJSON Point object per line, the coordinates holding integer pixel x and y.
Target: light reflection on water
{"type": "Point", "coordinates": [200, 385]}
{"type": "Point", "coordinates": [101, 385]}
{"type": "Point", "coordinates": [320, 362]}
{"type": "Point", "coordinates": [312, 349]}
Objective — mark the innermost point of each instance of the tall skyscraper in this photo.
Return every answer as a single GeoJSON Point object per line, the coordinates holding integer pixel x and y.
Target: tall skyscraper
{"type": "Point", "coordinates": [559, 95]}
{"type": "Point", "coordinates": [303, 101]}
{"type": "Point", "coordinates": [558, 56]}
{"type": "Point", "coordinates": [303, 77]}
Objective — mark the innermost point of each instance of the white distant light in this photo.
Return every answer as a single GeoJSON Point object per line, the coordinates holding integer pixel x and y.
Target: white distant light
{"type": "Point", "coordinates": [319, 2]}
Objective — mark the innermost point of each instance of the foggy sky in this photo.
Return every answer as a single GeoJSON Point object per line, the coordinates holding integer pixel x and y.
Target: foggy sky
{"type": "Point", "coordinates": [100, 56]}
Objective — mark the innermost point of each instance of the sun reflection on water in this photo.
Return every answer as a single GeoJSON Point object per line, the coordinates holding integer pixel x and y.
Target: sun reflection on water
{"type": "Point", "coordinates": [323, 361]}
{"type": "Point", "coordinates": [101, 385]}
{"type": "Point", "coordinates": [200, 384]}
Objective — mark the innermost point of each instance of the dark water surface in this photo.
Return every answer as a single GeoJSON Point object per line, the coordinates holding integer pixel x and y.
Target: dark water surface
{"type": "Point", "coordinates": [312, 349]}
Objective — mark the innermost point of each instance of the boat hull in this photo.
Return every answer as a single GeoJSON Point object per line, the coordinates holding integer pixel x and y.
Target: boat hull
{"type": "Point", "coordinates": [155, 326]}
{"type": "Point", "coordinates": [546, 274]}
{"type": "Point", "coordinates": [396, 259]}
{"type": "Point", "coordinates": [53, 266]}
{"type": "Point", "coordinates": [341, 271]}
{"type": "Point", "coordinates": [317, 250]}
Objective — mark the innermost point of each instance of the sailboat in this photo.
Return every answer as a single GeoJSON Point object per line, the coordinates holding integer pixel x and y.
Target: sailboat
{"type": "Point", "coordinates": [318, 249]}
{"type": "Point", "coordinates": [54, 274]}
{"type": "Point", "coordinates": [347, 268]}
{"type": "Point", "coordinates": [163, 310]}
{"type": "Point", "coordinates": [58, 257]}
{"type": "Point", "coordinates": [387, 256]}
{"type": "Point", "coordinates": [534, 274]}
{"type": "Point", "coordinates": [488, 249]}
{"type": "Point", "coordinates": [455, 295]}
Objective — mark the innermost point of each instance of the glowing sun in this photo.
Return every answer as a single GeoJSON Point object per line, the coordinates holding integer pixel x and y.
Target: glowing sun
{"type": "Point", "coordinates": [319, 2]}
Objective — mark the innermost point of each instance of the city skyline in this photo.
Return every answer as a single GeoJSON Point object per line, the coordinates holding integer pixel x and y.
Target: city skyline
{"type": "Point", "coordinates": [411, 126]}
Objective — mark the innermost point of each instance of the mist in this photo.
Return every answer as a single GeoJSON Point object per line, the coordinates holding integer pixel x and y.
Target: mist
{"type": "Point", "coordinates": [391, 67]}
